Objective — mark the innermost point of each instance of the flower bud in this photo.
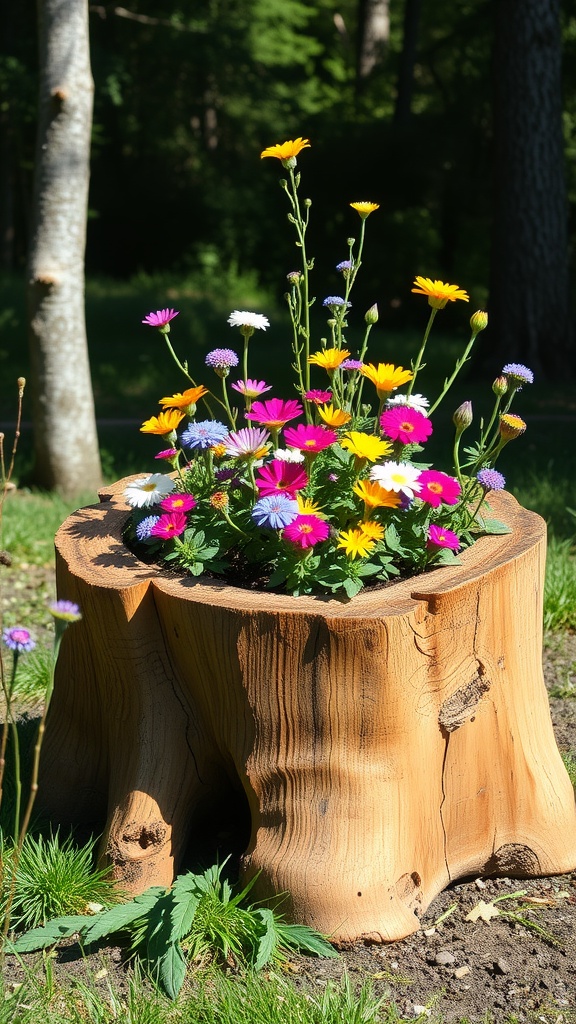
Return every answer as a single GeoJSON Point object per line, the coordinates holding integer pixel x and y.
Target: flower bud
{"type": "Point", "coordinates": [500, 386]}
{"type": "Point", "coordinates": [478, 321]}
{"type": "Point", "coordinates": [463, 416]}
{"type": "Point", "coordinates": [511, 426]}
{"type": "Point", "coordinates": [294, 277]}
{"type": "Point", "coordinates": [371, 315]}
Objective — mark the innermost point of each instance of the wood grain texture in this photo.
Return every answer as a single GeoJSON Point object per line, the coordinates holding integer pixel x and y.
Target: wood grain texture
{"type": "Point", "coordinates": [386, 746]}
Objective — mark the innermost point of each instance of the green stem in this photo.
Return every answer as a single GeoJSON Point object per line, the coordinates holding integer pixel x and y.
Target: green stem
{"type": "Point", "coordinates": [226, 404]}
{"type": "Point", "coordinates": [420, 356]}
{"type": "Point", "coordinates": [449, 382]}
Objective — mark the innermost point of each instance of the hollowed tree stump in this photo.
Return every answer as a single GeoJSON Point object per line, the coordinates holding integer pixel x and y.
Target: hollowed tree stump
{"type": "Point", "coordinates": [386, 746]}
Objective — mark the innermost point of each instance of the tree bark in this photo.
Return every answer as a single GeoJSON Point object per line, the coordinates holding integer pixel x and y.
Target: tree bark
{"type": "Point", "coordinates": [385, 747]}
{"type": "Point", "coordinates": [373, 36]}
{"type": "Point", "coordinates": [66, 444]}
{"type": "Point", "coordinates": [529, 293]}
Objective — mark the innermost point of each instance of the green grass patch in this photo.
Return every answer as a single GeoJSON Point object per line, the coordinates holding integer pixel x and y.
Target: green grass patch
{"type": "Point", "coordinates": [560, 586]}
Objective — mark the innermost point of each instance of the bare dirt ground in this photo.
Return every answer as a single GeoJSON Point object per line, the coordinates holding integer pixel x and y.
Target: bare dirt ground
{"type": "Point", "coordinates": [520, 964]}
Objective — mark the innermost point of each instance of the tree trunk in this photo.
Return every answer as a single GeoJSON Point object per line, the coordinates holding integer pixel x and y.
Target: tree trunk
{"type": "Point", "coordinates": [385, 746]}
{"type": "Point", "coordinates": [373, 36]}
{"type": "Point", "coordinates": [529, 293]}
{"type": "Point", "coordinates": [405, 86]}
{"type": "Point", "coordinates": [66, 444]}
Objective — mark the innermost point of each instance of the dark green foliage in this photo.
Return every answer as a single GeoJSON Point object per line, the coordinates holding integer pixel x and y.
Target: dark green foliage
{"type": "Point", "coordinates": [199, 918]}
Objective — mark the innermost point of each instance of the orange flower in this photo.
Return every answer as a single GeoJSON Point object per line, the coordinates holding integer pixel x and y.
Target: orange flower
{"type": "Point", "coordinates": [287, 151]}
{"type": "Point", "coordinates": [375, 496]}
{"type": "Point", "coordinates": [162, 424]}
{"type": "Point", "coordinates": [333, 417]}
{"type": "Point", "coordinates": [439, 293]}
{"type": "Point", "coordinates": [185, 399]}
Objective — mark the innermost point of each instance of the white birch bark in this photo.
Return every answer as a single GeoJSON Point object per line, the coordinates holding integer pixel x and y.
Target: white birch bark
{"type": "Point", "coordinates": [66, 444]}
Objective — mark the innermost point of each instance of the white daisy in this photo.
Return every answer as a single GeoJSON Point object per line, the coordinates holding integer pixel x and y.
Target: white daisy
{"type": "Point", "coordinates": [289, 455]}
{"type": "Point", "coordinates": [241, 318]}
{"type": "Point", "coordinates": [397, 476]}
{"type": "Point", "coordinates": [418, 402]}
{"type": "Point", "coordinates": [149, 490]}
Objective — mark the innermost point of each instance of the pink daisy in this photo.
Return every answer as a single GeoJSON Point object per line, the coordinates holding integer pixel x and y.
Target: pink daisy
{"type": "Point", "coordinates": [251, 388]}
{"type": "Point", "coordinates": [277, 475]}
{"type": "Point", "coordinates": [170, 525]}
{"type": "Point", "coordinates": [274, 413]}
{"type": "Point", "coordinates": [178, 503]}
{"type": "Point", "coordinates": [405, 424]}
{"type": "Point", "coordinates": [318, 397]}
{"type": "Point", "coordinates": [306, 530]}
{"type": "Point", "coordinates": [438, 488]}
{"type": "Point", "coordinates": [168, 453]}
{"type": "Point", "coordinates": [160, 318]}
{"type": "Point", "coordinates": [309, 438]}
{"type": "Point", "coordinates": [441, 538]}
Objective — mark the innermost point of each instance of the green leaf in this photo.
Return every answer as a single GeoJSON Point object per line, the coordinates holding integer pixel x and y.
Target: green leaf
{"type": "Point", "coordinates": [120, 917]}
{"type": "Point", "coordinates": [352, 587]}
{"type": "Point", "coordinates": [495, 526]}
{"type": "Point", "coordinates": [172, 970]}
{"type": "Point", "coordinates": [59, 928]}
{"type": "Point", "coordinates": [185, 901]}
{"type": "Point", "coordinates": [267, 940]}
{"type": "Point", "coordinates": [299, 936]}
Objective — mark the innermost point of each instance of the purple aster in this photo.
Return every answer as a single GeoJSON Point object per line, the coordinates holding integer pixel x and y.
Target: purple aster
{"type": "Point", "coordinates": [19, 639]}
{"type": "Point", "coordinates": [491, 479]}
{"type": "Point", "coordinates": [351, 364]}
{"type": "Point", "coordinates": [160, 318]}
{"type": "Point", "coordinates": [221, 360]}
{"type": "Point", "coordinates": [518, 374]}
{"type": "Point", "coordinates": [336, 302]}
{"type": "Point", "coordinates": [345, 266]}
{"type": "Point", "coordinates": [204, 434]}
{"type": "Point", "coordinates": [275, 511]}
{"type": "Point", "coordinates": [144, 527]}
{"type": "Point", "coordinates": [68, 611]}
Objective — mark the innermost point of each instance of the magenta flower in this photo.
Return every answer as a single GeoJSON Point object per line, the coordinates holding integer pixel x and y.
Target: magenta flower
{"type": "Point", "coordinates": [306, 531]}
{"type": "Point", "coordinates": [318, 397]}
{"type": "Point", "coordinates": [168, 454]}
{"type": "Point", "coordinates": [160, 318]}
{"type": "Point", "coordinates": [405, 424]}
{"type": "Point", "coordinates": [309, 438]}
{"type": "Point", "coordinates": [438, 537]}
{"type": "Point", "coordinates": [251, 388]}
{"type": "Point", "coordinates": [170, 525]}
{"type": "Point", "coordinates": [18, 639]}
{"type": "Point", "coordinates": [275, 413]}
{"type": "Point", "coordinates": [438, 488]}
{"type": "Point", "coordinates": [278, 476]}
{"type": "Point", "coordinates": [178, 503]}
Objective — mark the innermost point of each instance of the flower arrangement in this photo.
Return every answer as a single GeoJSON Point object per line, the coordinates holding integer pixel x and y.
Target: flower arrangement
{"type": "Point", "coordinates": [328, 489]}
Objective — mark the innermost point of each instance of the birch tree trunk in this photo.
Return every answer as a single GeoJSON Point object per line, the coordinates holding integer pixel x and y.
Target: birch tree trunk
{"type": "Point", "coordinates": [66, 444]}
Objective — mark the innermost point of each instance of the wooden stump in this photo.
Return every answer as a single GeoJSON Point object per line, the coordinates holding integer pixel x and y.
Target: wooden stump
{"type": "Point", "coordinates": [386, 746]}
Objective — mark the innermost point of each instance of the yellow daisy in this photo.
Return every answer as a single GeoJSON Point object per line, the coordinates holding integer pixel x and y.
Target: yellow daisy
{"type": "Point", "coordinates": [306, 507]}
{"type": "Point", "coordinates": [162, 424]}
{"type": "Point", "coordinates": [365, 209]}
{"type": "Point", "coordinates": [355, 543]}
{"type": "Point", "coordinates": [386, 377]}
{"type": "Point", "coordinates": [366, 446]}
{"type": "Point", "coordinates": [329, 358]}
{"type": "Point", "coordinates": [287, 151]}
{"type": "Point", "coordinates": [439, 293]}
{"type": "Point", "coordinates": [185, 399]}
{"type": "Point", "coordinates": [375, 496]}
{"type": "Point", "coordinates": [372, 529]}
{"type": "Point", "coordinates": [333, 417]}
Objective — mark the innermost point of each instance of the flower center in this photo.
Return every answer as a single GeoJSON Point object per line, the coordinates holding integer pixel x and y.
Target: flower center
{"type": "Point", "coordinates": [305, 528]}
{"type": "Point", "coordinates": [435, 488]}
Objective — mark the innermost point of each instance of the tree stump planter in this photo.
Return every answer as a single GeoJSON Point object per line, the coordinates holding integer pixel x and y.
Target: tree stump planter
{"type": "Point", "coordinates": [386, 746]}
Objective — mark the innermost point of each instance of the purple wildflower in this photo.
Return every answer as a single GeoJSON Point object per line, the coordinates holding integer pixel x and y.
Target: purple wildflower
{"type": "Point", "coordinates": [345, 266]}
{"type": "Point", "coordinates": [19, 639]}
{"type": "Point", "coordinates": [144, 527]}
{"type": "Point", "coordinates": [275, 511]}
{"type": "Point", "coordinates": [336, 302]}
{"type": "Point", "coordinates": [351, 364]}
{"type": "Point", "coordinates": [204, 434]}
{"type": "Point", "coordinates": [221, 359]}
{"type": "Point", "coordinates": [68, 611]}
{"type": "Point", "coordinates": [518, 374]}
{"type": "Point", "coordinates": [491, 479]}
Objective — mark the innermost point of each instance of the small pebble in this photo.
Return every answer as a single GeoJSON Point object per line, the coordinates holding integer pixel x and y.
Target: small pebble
{"type": "Point", "coordinates": [444, 958]}
{"type": "Point", "coordinates": [502, 966]}
{"type": "Point", "coordinates": [461, 972]}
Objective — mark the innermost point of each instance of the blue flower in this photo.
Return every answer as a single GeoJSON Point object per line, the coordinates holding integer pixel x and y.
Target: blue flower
{"type": "Point", "coordinates": [204, 434]}
{"type": "Point", "coordinates": [275, 511]}
{"type": "Point", "coordinates": [491, 479]}
{"type": "Point", "coordinates": [221, 359]}
{"type": "Point", "coordinates": [68, 611]}
{"type": "Point", "coordinates": [518, 374]}
{"type": "Point", "coordinates": [144, 527]}
{"type": "Point", "coordinates": [18, 639]}
{"type": "Point", "coordinates": [345, 265]}
{"type": "Point", "coordinates": [336, 302]}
